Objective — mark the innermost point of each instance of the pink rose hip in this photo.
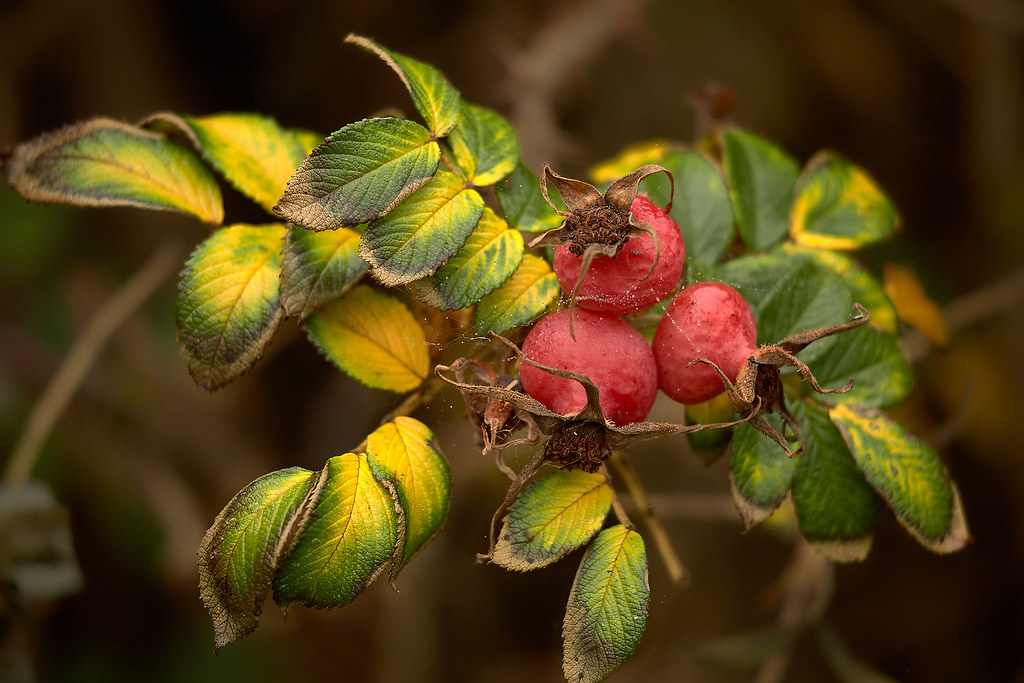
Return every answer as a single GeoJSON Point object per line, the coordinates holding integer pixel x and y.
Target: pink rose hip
{"type": "Point", "coordinates": [614, 355]}
{"type": "Point", "coordinates": [706, 320]}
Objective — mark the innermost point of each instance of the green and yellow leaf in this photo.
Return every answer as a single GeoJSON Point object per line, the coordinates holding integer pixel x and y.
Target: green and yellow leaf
{"type": "Point", "coordinates": [253, 152]}
{"type": "Point", "coordinates": [907, 474]}
{"type": "Point", "coordinates": [403, 456]}
{"type": "Point", "coordinates": [490, 256]}
{"type": "Point", "coordinates": [318, 267]}
{"type": "Point", "coordinates": [531, 290]}
{"type": "Point", "coordinates": [229, 302]}
{"type": "Point", "coordinates": [606, 614]}
{"type": "Point", "coordinates": [433, 96]}
{"type": "Point", "coordinates": [484, 144]}
{"type": "Point", "coordinates": [372, 337]}
{"type": "Point", "coordinates": [102, 162]}
{"type": "Point", "coordinates": [554, 516]}
{"type": "Point", "coordinates": [631, 158]}
{"type": "Point", "coordinates": [419, 236]}
{"type": "Point", "coordinates": [359, 173]}
{"type": "Point", "coordinates": [523, 204]}
{"type": "Point", "coordinates": [240, 553]}
{"type": "Point", "coordinates": [760, 474]}
{"type": "Point", "coordinates": [839, 206]}
{"type": "Point", "coordinates": [350, 535]}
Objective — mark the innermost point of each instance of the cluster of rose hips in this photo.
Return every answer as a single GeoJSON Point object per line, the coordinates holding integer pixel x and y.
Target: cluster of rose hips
{"type": "Point", "coordinates": [707, 320]}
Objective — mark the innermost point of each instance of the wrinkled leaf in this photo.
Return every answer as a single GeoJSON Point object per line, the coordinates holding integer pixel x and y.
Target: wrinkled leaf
{"type": "Point", "coordinates": [907, 474]}
{"type": "Point", "coordinates": [229, 302]}
{"type": "Point", "coordinates": [421, 235]}
{"type": "Point", "coordinates": [881, 376]}
{"type": "Point", "coordinates": [403, 456]}
{"type": "Point", "coordinates": [484, 144]}
{"type": "Point", "coordinates": [555, 515]}
{"type": "Point", "coordinates": [102, 162]}
{"type": "Point", "coordinates": [435, 99]}
{"type": "Point", "coordinates": [372, 337]}
{"type": "Point", "coordinates": [531, 290]}
{"type": "Point", "coordinates": [523, 204]}
{"type": "Point", "coordinates": [606, 614]}
{"type": "Point", "coordinates": [839, 206]}
{"type": "Point", "coordinates": [240, 553]}
{"type": "Point", "coordinates": [702, 208]}
{"type": "Point", "coordinates": [359, 173]}
{"type": "Point", "coordinates": [350, 536]}
{"type": "Point", "coordinates": [835, 507]}
{"type": "Point", "coordinates": [760, 474]}
{"type": "Point", "coordinates": [318, 267]}
{"type": "Point", "coordinates": [761, 180]}
{"type": "Point", "coordinates": [490, 256]}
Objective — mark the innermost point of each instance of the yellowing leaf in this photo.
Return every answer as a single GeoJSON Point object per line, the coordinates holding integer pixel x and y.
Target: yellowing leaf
{"type": "Point", "coordinates": [229, 302]}
{"type": "Point", "coordinates": [523, 297]}
{"type": "Point", "coordinates": [102, 162]}
{"type": "Point", "coordinates": [318, 267]}
{"type": "Point", "coordinates": [913, 305]}
{"type": "Point", "coordinates": [552, 517]}
{"type": "Point", "coordinates": [631, 158]}
{"type": "Point", "coordinates": [403, 457]}
{"type": "Point", "coordinates": [348, 535]}
{"type": "Point", "coordinates": [484, 144]}
{"type": "Point", "coordinates": [372, 337]}
{"type": "Point", "coordinates": [760, 474]}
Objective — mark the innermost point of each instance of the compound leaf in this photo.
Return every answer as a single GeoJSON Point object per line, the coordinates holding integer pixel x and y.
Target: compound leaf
{"type": "Point", "coordinates": [839, 206]}
{"type": "Point", "coordinates": [523, 204]}
{"type": "Point", "coordinates": [490, 256]}
{"type": "Point", "coordinates": [421, 235]}
{"type": "Point", "coordinates": [102, 162]}
{"type": "Point", "coordinates": [523, 297]}
{"type": "Point", "coordinates": [907, 474]}
{"type": "Point", "coordinates": [229, 302]}
{"type": "Point", "coordinates": [318, 267]}
{"type": "Point", "coordinates": [253, 152]}
{"type": "Point", "coordinates": [372, 337]}
{"type": "Point", "coordinates": [760, 474]}
{"type": "Point", "coordinates": [761, 179]}
{"type": "Point", "coordinates": [555, 515]}
{"type": "Point", "coordinates": [404, 458]}
{"type": "Point", "coordinates": [359, 173]}
{"type": "Point", "coordinates": [435, 99]}
{"type": "Point", "coordinates": [239, 554]}
{"type": "Point", "coordinates": [484, 144]}
{"type": "Point", "coordinates": [350, 534]}
{"type": "Point", "coordinates": [606, 614]}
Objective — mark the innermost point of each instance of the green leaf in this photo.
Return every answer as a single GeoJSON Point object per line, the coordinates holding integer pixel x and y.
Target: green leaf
{"type": "Point", "coordinates": [102, 162]}
{"type": "Point", "coordinates": [881, 376]}
{"type": "Point", "coordinates": [839, 206]}
{"type": "Point", "coordinates": [419, 236]}
{"type": "Point", "coordinates": [350, 533]}
{"type": "Point", "coordinates": [229, 302]}
{"type": "Point", "coordinates": [239, 554]}
{"type": "Point", "coordinates": [606, 614]}
{"type": "Point", "coordinates": [702, 208]}
{"type": "Point", "coordinates": [760, 474]}
{"type": "Point", "coordinates": [835, 507]}
{"type": "Point", "coordinates": [435, 99]}
{"type": "Point", "coordinates": [253, 152]}
{"type": "Point", "coordinates": [907, 474]}
{"type": "Point", "coordinates": [531, 290]}
{"type": "Point", "coordinates": [359, 173]}
{"type": "Point", "coordinates": [318, 267]}
{"type": "Point", "coordinates": [372, 337]}
{"type": "Point", "coordinates": [484, 144]}
{"type": "Point", "coordinates": [554, 516]}
{"type": "Point", "coordinates": [523, 204]}
{"type": "Point", "coordinates": [490, 256]}
{"type": "Point", "coordinates": [761, 180]}
{"type": "Point", "coordinates": [403, 457]}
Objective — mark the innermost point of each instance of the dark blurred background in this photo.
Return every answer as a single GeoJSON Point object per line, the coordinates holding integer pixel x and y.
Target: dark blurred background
{"type": "Point", "coordinates": [926, 94]}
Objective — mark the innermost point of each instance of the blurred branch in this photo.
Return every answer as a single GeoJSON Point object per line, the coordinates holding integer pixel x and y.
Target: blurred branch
{"type": "Point", "coordinates": [82, 355]}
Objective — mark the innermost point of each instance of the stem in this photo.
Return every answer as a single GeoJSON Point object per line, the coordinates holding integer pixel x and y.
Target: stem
{"type": "Point", "coordinates": [81, 357]}
{"type": "Point", "coordinates": [624, 471]}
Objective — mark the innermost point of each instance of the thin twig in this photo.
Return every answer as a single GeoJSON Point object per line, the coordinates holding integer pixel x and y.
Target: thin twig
{"type": "Point", "coordinates": [82, 355]}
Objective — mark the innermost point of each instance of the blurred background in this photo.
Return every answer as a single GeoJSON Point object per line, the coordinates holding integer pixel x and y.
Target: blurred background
{"type": "Point", "coordinates": [928, 95]}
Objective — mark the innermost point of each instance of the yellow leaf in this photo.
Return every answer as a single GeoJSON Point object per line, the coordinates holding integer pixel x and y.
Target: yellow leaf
{"type": "Point", "coordinates": [913, 305]}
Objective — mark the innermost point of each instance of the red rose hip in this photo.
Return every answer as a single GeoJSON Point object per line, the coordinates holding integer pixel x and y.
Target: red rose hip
{"type": "Point", "coordinates": [626, 284]}
{"type": "Point", "coordinates": [706, 320]}
{"type": "Point", "coordinates": [614, 355]}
